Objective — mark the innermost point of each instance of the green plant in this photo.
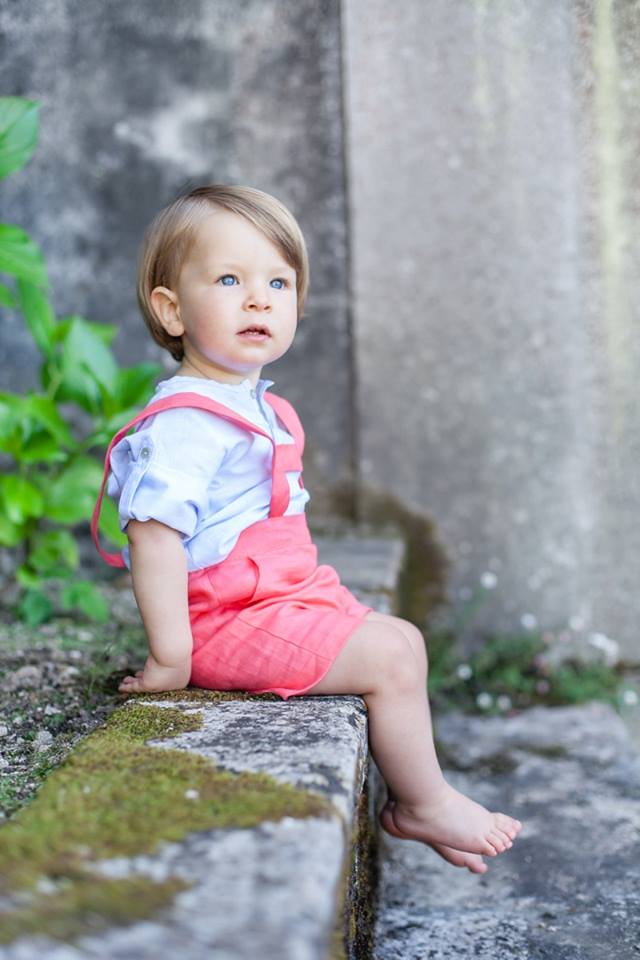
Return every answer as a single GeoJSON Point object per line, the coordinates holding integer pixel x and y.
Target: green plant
{"type": "Point", "coordinates": [511, 671]}
{"type": "Point", "coordinates": [50, 479]}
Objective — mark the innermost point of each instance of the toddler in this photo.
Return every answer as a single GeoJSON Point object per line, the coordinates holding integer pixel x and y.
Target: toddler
{"type": "Point", "coordinates": [210, 495]}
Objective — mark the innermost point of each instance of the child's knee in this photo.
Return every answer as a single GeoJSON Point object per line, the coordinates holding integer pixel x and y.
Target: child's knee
{"type": "Point", "coordinates": [399, 669]}
{"type": "Point", "coordinates": [413, 636]}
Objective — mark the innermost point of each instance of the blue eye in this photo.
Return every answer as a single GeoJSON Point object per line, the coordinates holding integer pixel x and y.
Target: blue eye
{"type": "Point", "coordinates": [227, 276]}
{"type": "Point", "coordinates": [280, 281]}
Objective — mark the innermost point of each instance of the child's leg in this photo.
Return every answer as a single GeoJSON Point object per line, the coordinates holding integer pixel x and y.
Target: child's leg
{"type": "Point", "coordinates": [382, 661]}
{"type": "Point", "coordinates": [472, 861]}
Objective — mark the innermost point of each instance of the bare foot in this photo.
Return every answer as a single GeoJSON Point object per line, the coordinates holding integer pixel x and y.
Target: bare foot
{"type": "Point", "coordinates": [472, 861]}
{"type": "Point", "coordinates": [453, 820]}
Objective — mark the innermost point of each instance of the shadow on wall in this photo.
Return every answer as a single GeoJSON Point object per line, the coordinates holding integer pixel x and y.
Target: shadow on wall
{"type": "Point", "coordinates": [423, 583]}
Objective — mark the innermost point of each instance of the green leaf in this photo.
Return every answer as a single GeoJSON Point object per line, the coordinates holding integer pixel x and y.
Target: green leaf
{"type": "Point", "coordinates": [134, 385]}
{"type": "Point", "coordinates": [20, 256]}
{"type": "Point", "coordinates": [27, 578]}
{"type": "Point", "coordinates": [104, 433]}
{"type": "Point", "coordinates": [38, 315]}
{"type": "Point", "coordinates": [84, 595]}
{"type": "Point", "coordinates": [109, 525]}
{"type": "Point", "coordinates": [54, 554]}
{"type": "Point", "coordinates": [32, 429]}
{"type": "Point", "coordinates": [11, 534]}
{"type": "Point", "coordinates": [104, 331]}
{"type": "Point", "coordinates": [18, 132]}
{"type": "Point", "coordinates": [62, 329]}
{"type": "Point", "coordinates": [86, 362]}
{"type": "Point", "coordinates": [40, 448]}
{"type": "Point", "coordinates": [20, 498]}
{"type": "Point", "coordinates": [45, 412]}
{"type": "Point", "coordinates": [10, 407]}
{"type": "Point", "coordinates": [35, 607]}
{"type": "Point", "coordinates": [71, 496]}
{"type": "Point", "coordinates": [7, 298]}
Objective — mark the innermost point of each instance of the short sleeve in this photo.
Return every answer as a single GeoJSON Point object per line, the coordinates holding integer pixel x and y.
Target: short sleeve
{"type": "Point", "coordinates": [164, 472]}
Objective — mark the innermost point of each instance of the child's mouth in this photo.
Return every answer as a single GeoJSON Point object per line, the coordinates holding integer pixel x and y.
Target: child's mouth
{"type": "Point", "coordinates": [255, 333]}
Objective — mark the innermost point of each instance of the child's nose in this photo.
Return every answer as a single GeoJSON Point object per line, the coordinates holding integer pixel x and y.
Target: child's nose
{"type": "Point", "coordinates": [258, 300]}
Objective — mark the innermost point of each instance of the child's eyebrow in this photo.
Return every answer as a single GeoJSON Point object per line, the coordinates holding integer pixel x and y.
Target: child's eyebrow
{"type": "Point", "coordinates": [234, 265]}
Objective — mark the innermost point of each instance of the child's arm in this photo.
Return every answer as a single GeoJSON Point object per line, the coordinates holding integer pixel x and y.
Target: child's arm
{"type": "Point", "coordinates": [159, 573]}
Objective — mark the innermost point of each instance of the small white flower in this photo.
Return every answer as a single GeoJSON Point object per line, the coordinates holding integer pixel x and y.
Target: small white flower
{"type": "Point", "coordinates": [503, 702]}
{"type": "Point", "coordinates": [192, 794]}
{"type": "Point", "coordinates": [609, 647]}
{"type": "Point", "coordinates": [45, 885]}
{"type": "Point", "coordinates": [86, 789]}
{"type": "Point", "coordinates": [484, 700]}
{"type": "Point", "coordinates": [488, 580]}
{"type": "Point", "coordinates": [464, 671]}
{"type": "Point", "coordinates": [630, 698]}
{"type": "Point", "coordinates": [528, 621]}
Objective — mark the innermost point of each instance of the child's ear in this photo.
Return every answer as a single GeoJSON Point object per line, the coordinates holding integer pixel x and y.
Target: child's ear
{"type": "Point", "coordinates": [167, 309]}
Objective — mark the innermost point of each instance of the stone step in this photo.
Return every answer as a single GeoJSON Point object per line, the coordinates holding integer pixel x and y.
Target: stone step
{"type": "Point", "coordinates": [569, 888]}
{"type": "Point", "coordinates": [278, 868]}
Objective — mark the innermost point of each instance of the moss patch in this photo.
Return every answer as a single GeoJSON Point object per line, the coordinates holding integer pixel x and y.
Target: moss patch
{"type": "Point", "coordinates": [357, 889]}
{"type": "Point", "coordinates": [115, 796]}
{"type": "Point", "coordinates": [423, 580]}
{"type": "Point", "coordinates": [89, 907]}
{"type": "Point", "coordinates": [202, 695]}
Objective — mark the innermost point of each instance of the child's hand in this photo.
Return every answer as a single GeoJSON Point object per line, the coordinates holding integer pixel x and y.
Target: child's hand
{"type": "Point", "coordinates": [156, 678]}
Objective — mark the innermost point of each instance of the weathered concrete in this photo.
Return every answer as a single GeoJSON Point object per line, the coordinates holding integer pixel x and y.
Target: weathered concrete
{"type": "Point", "coordinates": [370, 566]}
{"type": "Point", "coordinates": [491, 156]}
{"type": "Point", "coordinates": [287, 890]}
{"type": "Point", "coordinates": [142, 100]}
{"type": "Point", "coordinates": [568, 889]}
{"type": "Point", "coordinates": [493, 199]}
{"type": "Point", "coordinates": [269, 891]}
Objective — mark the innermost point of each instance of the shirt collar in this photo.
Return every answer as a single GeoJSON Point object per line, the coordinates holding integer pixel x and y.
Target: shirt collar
{"type": "Point", "coordinates": [244, 387]}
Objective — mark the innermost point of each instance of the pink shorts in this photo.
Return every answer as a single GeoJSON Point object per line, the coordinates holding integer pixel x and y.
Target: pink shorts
{"type": "Point", "coordinates": [268, 619]}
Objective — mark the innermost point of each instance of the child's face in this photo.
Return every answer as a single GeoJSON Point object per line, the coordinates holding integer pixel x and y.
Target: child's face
{"type": "Point", "coordinates": [233, 279]}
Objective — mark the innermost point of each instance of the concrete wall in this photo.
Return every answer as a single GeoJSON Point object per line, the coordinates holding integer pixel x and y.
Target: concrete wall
{"type": "Point", "coordinates": [492, 198]}
{"type": "Point", "coordinates": [494, 195]}
{"type": "Point", "coordinates": [141, 99]}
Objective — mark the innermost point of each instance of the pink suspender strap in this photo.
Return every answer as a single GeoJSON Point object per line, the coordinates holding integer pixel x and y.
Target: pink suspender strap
{"type": "Point", "coordinates": [290, 419]}
{"type": "Point", "coordinates": [289, 455]}
{"type": "Point", "coordinates": [286, 456]}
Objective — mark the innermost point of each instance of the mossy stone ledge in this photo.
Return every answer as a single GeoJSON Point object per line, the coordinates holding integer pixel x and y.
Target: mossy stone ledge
{"type": "Point", "coordinates": [204, 823]}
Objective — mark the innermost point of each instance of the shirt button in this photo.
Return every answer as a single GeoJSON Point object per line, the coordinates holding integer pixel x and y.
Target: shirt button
{"type": "Point", "coordinates": [144, 453]}
{"type": "Point", "coordinates": [254, 394]}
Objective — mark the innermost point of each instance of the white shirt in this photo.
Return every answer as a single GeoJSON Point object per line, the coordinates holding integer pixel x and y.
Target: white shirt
{"type": "Point", "coordinates": [199, 474]}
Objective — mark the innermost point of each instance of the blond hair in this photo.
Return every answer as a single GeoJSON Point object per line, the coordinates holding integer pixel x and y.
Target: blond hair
{"type": "Point", "coordinates": [172, 232]}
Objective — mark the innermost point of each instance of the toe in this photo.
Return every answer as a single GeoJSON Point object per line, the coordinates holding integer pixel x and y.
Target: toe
{"type": "Point", "coordinates": [496, 840]}
{"type": "Point", "coordinates": [508, 825]}
{"type": "Point", "coordinates": [474, 863]}
{"type": "Point", "coordinates": [504, 836]}
{"type": "Point", "coordinates": [488, 849]}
